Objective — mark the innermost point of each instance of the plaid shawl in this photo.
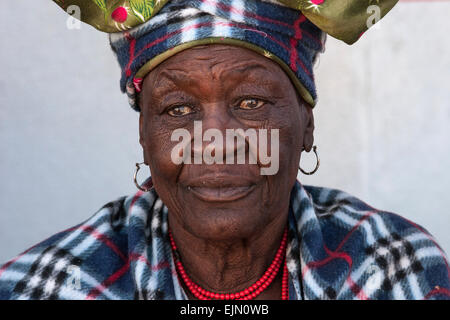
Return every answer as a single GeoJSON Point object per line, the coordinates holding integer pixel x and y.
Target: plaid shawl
{"type": "Point", "coordinates": [338, 248]}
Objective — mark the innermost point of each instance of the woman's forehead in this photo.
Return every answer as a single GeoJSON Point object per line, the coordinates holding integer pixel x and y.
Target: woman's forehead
{"type": "Point", "coordinates": [229, 55]}
{"type": "Point", "coordinates": [217, 61]}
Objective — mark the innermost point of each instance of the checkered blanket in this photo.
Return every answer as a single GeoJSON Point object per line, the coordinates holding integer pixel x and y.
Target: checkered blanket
{"type": "Point", "coordinates": [338, 248]}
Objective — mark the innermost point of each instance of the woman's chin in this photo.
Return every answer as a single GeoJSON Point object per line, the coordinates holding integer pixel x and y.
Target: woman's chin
{"type": "Point", "coordinates": [224, 230]}
{"type": "Point", "coordinates": [225, 220]}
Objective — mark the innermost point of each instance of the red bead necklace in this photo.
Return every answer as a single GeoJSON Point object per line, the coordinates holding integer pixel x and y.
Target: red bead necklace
{"type": "Point", "coordinates": [247, 294]}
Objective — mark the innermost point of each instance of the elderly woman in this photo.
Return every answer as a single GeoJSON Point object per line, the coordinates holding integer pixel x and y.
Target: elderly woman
{"type": "Point", "coordinates": [207, 225]}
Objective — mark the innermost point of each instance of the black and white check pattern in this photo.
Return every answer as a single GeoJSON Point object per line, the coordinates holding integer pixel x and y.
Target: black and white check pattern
{"type": "Point", "coordinates": [46, 275]}
{"type": "Point", "coordinates": [396, 257]}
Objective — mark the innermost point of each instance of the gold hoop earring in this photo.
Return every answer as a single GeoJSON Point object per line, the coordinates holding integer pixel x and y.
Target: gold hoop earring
{"type": "Point", "coordinates": [317, 163]}
{"type": "Point", "coordinates": [138, 167]}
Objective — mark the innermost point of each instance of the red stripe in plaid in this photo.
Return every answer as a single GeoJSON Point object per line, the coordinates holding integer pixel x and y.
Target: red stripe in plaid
{"type": "Point", "coordinates": [135, 198]}
{"type": "Point", "coordinates": [339, 255]}
{"type": "Point", "coordinates": [99, 236]}
{"type": "Point", "coordinates": [437, 291]}
{"type": "Point", "coordinates": [159, 266]}
{"type": "Point", "coordinates": [132, 42]}
{"type": "Point", "coordinates": [119, 273]}
{"type": "Point", "coordinates": [245, 13]}
{"type": "Point", "coordinates": [210, 24]}
{"type": "Point", "coordinates": [357, 291]}
{"type": "Point", "coordinates": [315, 264]}
{"type": "Point", "coordinates": [294, 41]}
{"type": "Point", "coordinates": [353, 286]}
{"type": "Point", "coordinates": [356, 226]}
{"type": "Point", "coordinates": [332, 255]}
{"type": "Point", "coordinates": [109, 281]}
{"type": "Point", "coordinates": [252, 15]}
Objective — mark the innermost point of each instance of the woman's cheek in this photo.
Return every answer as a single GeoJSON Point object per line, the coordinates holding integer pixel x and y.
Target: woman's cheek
{"type": "Point", "coordinates": [158, 150]}
{"type": "Point", "coordinates": [290, 145]}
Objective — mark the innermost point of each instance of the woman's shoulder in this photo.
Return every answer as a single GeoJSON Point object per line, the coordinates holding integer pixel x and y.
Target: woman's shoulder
{"type": "Point", "coordinates": [337, 206]}
{"type": "Point", "coordinates": [412, 262]}
{"type": "Point", "coordinates": [48, 269]}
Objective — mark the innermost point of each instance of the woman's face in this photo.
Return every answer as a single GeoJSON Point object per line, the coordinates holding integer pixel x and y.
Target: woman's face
{"type": "Point", "coordinates": [223, 87]}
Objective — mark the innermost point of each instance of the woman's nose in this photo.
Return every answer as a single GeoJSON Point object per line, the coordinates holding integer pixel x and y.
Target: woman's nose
{"type": "Point", "coordinates": [216, 115]}
{"type": "Point", "coordinates": [210, 134]}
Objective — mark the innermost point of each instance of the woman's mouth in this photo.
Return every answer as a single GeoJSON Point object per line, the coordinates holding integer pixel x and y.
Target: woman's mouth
{"type": "Point", "coordinates": [221, 194]}
{"type": "Point", "coordinates": [220, 188]}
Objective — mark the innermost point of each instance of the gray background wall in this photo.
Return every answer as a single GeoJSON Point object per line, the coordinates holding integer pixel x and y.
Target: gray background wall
{"type": "Point", "coordinates": [69, 141]}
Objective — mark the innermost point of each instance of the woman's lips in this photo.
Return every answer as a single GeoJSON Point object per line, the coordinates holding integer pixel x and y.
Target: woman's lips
{"type": "Point", "coordinates": [220, 189]}
{"type": "Point", "coordinates": [221, 194]}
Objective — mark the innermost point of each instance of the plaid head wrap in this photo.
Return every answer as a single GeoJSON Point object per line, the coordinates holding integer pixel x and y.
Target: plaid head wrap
{"type": "Point", "coordinates": [144, 33]}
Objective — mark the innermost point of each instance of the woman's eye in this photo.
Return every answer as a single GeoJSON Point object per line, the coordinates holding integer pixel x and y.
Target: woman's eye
{"type": "Point", "coordinates": [251, 103]}
{"type": "Point", "coordinates": [180, 111]}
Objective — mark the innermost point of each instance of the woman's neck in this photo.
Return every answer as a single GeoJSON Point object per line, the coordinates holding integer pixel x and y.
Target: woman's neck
{"type": "Point", "coordinates": [231, 266]}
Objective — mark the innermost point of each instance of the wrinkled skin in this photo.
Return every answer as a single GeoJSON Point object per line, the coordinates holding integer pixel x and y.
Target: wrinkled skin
{"type": "Point", "coordinates": [225, 241]}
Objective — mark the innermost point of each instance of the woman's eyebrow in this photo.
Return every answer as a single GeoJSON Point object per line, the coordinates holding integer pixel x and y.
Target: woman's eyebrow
{"type": "Point", "coordinates": [244, 70]}
{"type": "Point", "coordinates": [253, 74]}
{"type": "Point", "coordinates": [167, 80]}
{"type": "Point", "coordinates": [180, 75]}
{"type": "Point", "coordinates": [173, 75]}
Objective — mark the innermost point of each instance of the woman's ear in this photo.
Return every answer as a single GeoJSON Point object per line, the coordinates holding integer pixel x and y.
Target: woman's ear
{"type": "Point", "coordinates": [308, 124]}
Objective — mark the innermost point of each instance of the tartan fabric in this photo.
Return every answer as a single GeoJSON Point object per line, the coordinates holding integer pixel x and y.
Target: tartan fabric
{"type": "Point", "coordinates": [395, 256]}
{"type": "Point", "coordinates": [46, 275]}
{"type": "Point", "coordinates": [276, 29]}
{"type": "Point", "coordinates": [338, 248]}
